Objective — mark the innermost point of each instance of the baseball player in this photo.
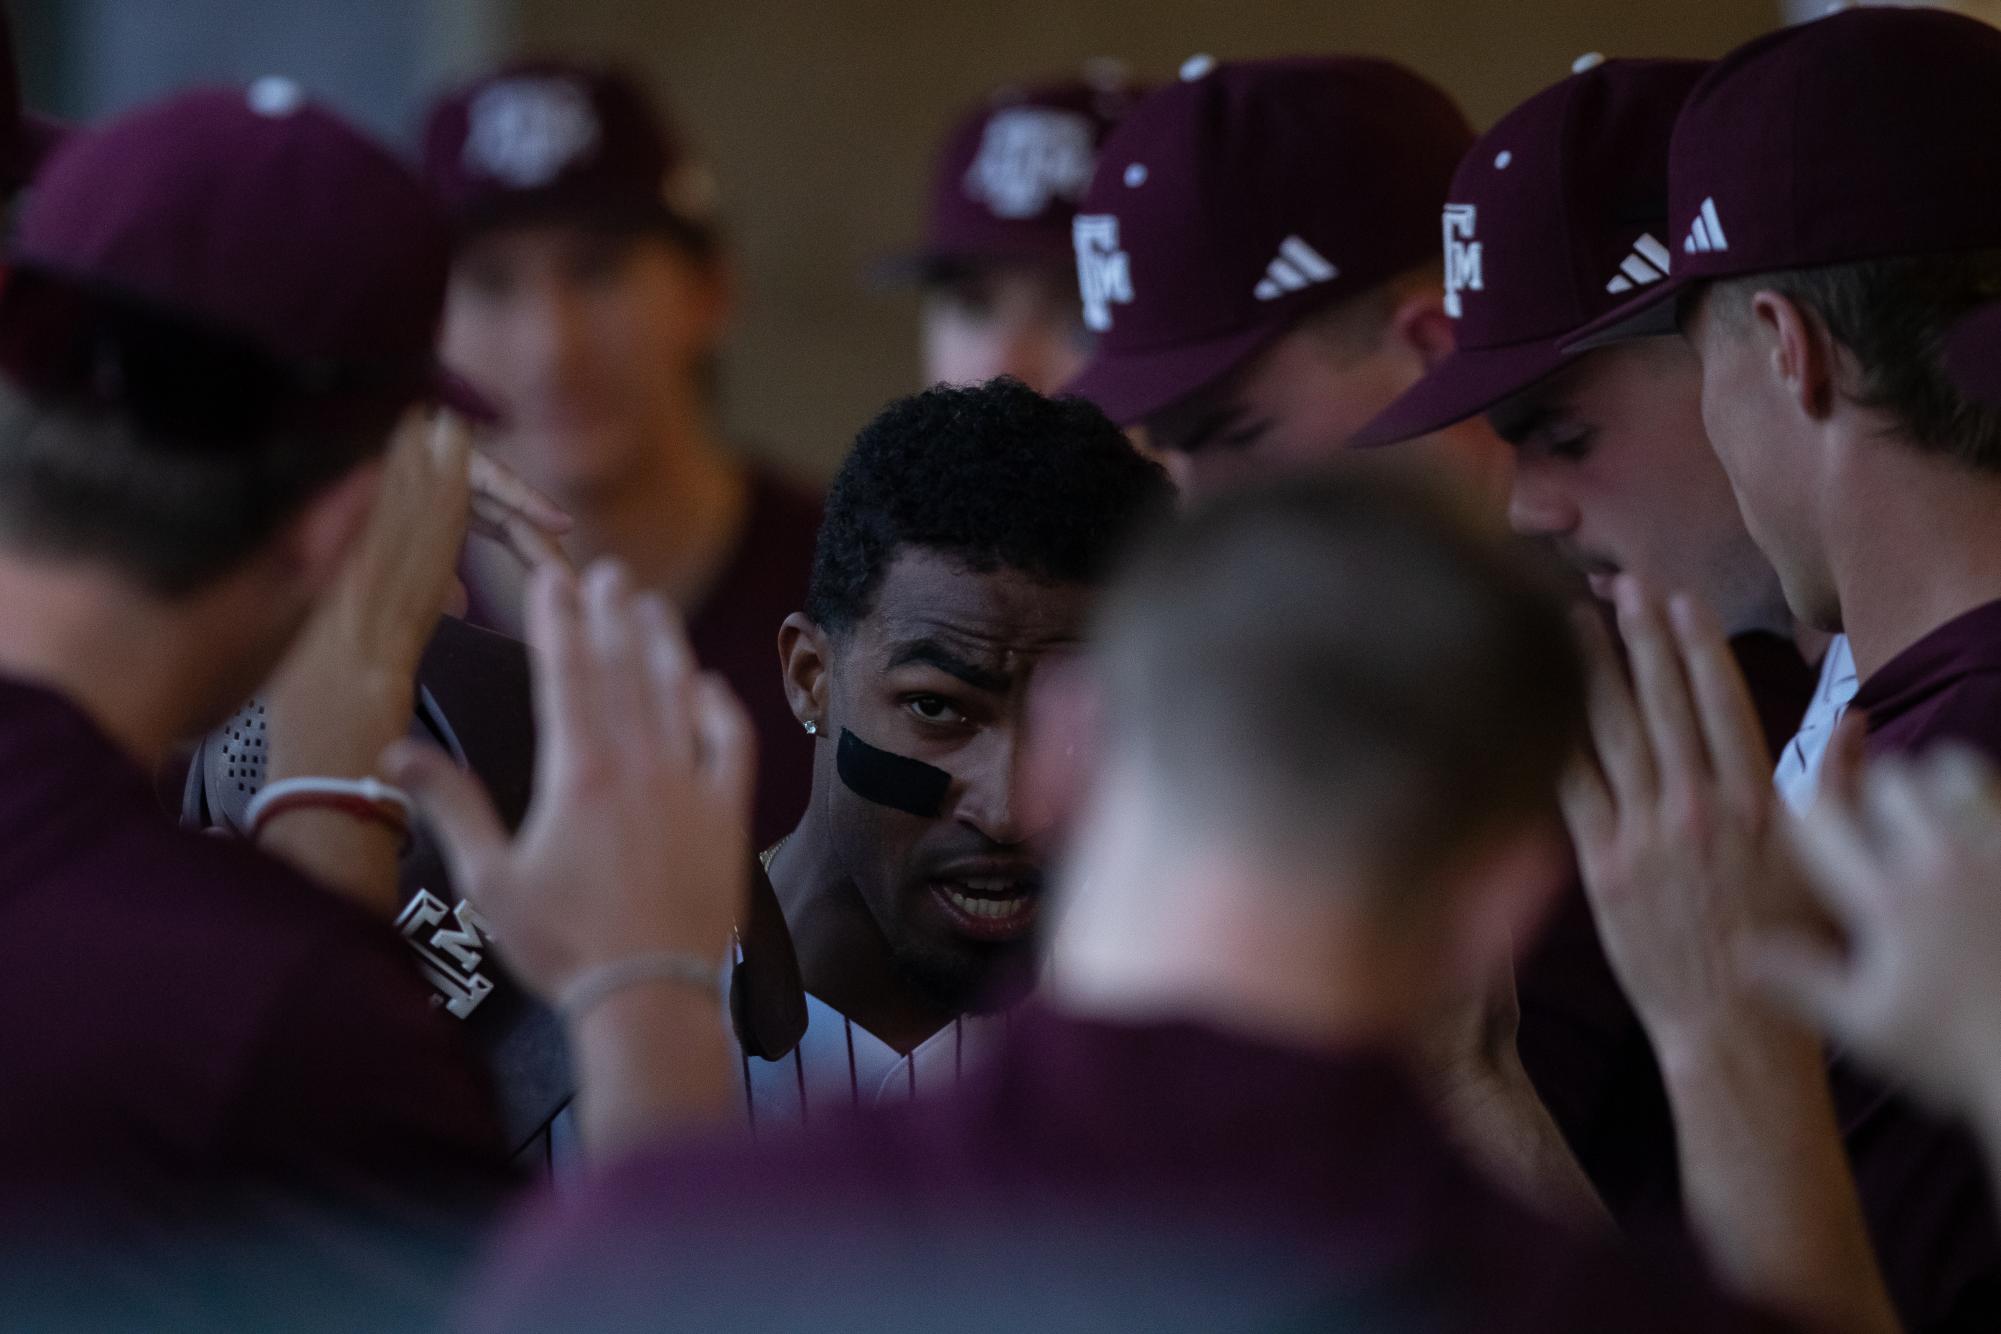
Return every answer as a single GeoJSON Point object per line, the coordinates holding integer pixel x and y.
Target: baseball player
{"type": "Point", "coordinates": [1824, 244]}
{"type": "Point", "coordinates": [1208, 1120]}
{"type": "Point", "coordinates": [966, 533]}
{"type": "Point", "coordinates": [228, 1098]}
{"type": "Point", "coordinates": [590, 291]}
{"type": "Point", "coordinates": [1258, 259]}
{"type": "Point", "coordinates": [994, 268]}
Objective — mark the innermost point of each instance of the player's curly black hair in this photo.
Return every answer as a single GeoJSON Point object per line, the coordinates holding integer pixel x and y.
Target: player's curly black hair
{"type": "Point", "coordinates": [995, 476]}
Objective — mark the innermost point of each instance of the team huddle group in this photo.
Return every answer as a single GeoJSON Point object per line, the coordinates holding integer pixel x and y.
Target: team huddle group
{"type": "Point", "coordinates": [1399, 744]}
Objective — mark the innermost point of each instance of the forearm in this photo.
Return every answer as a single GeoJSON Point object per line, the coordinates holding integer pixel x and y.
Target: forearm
{"type": "Point", "coordinates": [357, 858]}
{"type": "Point", "coordinates": [1765, 1177]}
{"type": "Point", "coordinates": [337, 730]}
{"type": "Point", "coordinates": [1502, 1121]}
{"type": "Point", "coordinates": [652, 1060]}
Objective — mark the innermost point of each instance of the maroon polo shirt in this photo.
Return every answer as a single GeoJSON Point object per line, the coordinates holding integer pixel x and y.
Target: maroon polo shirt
{"type": "Point", "coordinates": [224, 1094]}
{"type": "Point", "coordinates": [735, 633]}
{"type": "Point", "coordinates": [1097, 1177]}
{"type": "Point", "coordinates": [1945, 686]}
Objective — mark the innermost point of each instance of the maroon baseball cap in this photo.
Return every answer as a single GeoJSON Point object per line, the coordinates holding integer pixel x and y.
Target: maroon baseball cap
{"type": "Point", "coordinates": [1011, 172]}
{"type": "Point", "coordinates": [550, 140]}
{"type": "Point", "coordinates": [1866, 134]}
{"type": "Point", "coordinates": [1236, 200]}
{"type": "Point", "coordinates": [253, 215]}
{"type": "Point", "coordinates": [1556, 214]}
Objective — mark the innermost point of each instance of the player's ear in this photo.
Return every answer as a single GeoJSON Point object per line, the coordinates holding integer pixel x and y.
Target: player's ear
{"type": "Point", "coordinates": [1420, 325]}
{"type": "Point", "coordinates": [1802, 356]}
{"type": "Point", "coordinates": [803, 660]}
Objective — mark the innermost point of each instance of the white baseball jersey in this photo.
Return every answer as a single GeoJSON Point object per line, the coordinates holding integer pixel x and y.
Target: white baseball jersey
{"type": "Point", "coordinates": [1798, 771]}
{"type": "Point", "coordinates": [839, 1065]}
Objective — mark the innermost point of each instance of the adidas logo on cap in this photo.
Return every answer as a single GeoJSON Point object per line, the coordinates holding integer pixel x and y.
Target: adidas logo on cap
{"type": "Point", "coordinates": [1647, 264]}
{"type": "Point", "coordinates": [1706, 236]}
{"type": "Point", "coordinates": [1296, 266]}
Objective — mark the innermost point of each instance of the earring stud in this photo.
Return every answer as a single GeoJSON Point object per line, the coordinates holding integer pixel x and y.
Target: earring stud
{"type": "Point", "coordinates": [812, 728]}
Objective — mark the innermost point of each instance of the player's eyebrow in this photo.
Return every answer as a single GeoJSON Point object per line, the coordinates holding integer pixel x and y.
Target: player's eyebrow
{"type": "Point", "coordinates": [931, 653]}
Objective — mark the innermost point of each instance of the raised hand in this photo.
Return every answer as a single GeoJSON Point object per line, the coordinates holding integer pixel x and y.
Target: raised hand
{"type": "Point", "coordinates": [347, 686]}
{"type": "Point", "coordinates": [507, 510]}
{"type": "Point", "coordinates": [1684, 860]}
{"type": "Point", "coordinates": [635, 841]}
{"type": "Point", "coordinates": [1674, 817]}
{"type": "Point", "coordinates": [1908, 860]}
{"type": "Point", "coordinates": [617, 898]}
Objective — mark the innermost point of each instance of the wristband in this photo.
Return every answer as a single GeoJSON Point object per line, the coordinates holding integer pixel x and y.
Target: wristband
{"type": "Point", "coordinates": [364, 799]}
{"type": "Point", "coordinates": [594, 984]}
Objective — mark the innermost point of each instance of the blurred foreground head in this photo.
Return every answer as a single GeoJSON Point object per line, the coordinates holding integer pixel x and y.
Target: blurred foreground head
{"type": "Point", "coordinates": [215, 309]}
{"type": "Point", "coordinates": [1324, 709]}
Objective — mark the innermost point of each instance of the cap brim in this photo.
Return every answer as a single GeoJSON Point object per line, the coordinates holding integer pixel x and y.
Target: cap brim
{"type": "Point", "coordinates": [1131, 386]}
{"type": "Point", "coordinates": [1973, 355]}
{"type": "Point", "coordinates": [1465, 384]}
{"type": "Point", "coordinates": [1648, 315]}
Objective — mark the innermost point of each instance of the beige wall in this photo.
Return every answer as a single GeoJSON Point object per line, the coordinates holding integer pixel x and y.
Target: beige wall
{"type": "Point", "coordinates": [820, 117]}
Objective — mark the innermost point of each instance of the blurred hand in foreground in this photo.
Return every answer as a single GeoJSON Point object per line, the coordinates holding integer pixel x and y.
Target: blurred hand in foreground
{"type": "Point", "coordinates": [1908, 860]}
{"type": "Point", "coordinates": [636, 838]}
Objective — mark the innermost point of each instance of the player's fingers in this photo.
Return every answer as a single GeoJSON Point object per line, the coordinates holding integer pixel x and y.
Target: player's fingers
{"type": "Point", "coordinates": [728, 742]}
{"type": "Point", "coordinates": [451, 801]}
{"type": "Point", "coordinates": [670, 667]}
{"type": "Point", "coordinates": [449, 444]}
{"type": "Point", "coordinates": [1731, 732]}
{"type": "Point", "coordinates": [497, 488]}
{"type": "Point", "coordinates": [1936, 813]}
{"type": "Point", "coordinates": [526, 541]}
{"type": "Point", "coordinates": [1902, 822]}
{"type": "Point", "coordinates": [1958, 792]}
{"type": "Point", "coordinates": [627, 719]}
{"type": "Point", "coordinates": [1624, 755]}
{"type": "Point", "coordinates": [1842, 763]}
{"type": "Point", "coordinates": [1806, 976]}
{"type": "Point", "coordinates": [1841, 864]}
{"type": "Point", "coordinates": [1586, 805]}
{"type": "Point", "coordinates": [565, 672]}
{"type": "Point", "coordinates": [1661, 689]}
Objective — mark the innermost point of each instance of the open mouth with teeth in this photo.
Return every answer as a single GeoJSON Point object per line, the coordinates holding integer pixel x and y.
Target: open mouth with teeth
{"type": "Point", "coordinates": [989, 907]}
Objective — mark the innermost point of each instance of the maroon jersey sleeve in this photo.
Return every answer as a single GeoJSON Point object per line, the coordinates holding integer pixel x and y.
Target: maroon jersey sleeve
{"type": "Point", "coordinates": [381, 1096]}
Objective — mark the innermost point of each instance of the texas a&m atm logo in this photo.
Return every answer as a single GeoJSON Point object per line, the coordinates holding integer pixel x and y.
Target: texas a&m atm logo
{"type": "Point", "coordinates": [1029, 158]}
{"type": "Point", "coordinates": [1104, 272]}
{"type": "Point", "coordinates": [1462, 257]}
{"type": "Point", "coordinates": [450, 943]}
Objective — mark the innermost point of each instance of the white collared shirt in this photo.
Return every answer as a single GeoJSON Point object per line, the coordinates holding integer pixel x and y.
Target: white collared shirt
{"type": "Point", "coordinates": [1798, 771]}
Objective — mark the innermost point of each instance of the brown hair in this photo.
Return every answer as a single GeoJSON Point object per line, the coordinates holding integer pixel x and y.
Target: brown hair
{"type": "Point", "coordinates": [1342, 667]}
{"type": "Point", "coordinates": [1892, 316]}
